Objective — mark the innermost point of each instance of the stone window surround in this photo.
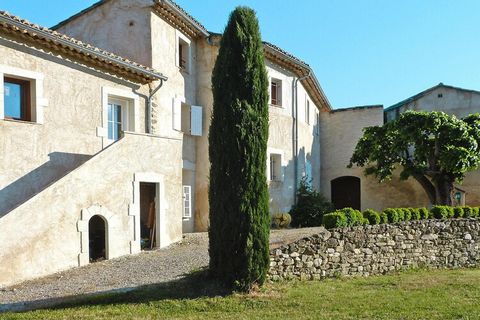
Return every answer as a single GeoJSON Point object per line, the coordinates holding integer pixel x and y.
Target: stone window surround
{"type": "Point", "coordinates": [38, 102]}
{"type": "Point", "coordinates": [280, 152]}
{"type": "Point", "coordinates": [82, 228]}
{"type": "Point", "coordinates": [161, 207]}
{"type": "Point", "coordinates": [119, 94]}
{"type": "Point", "coordinates": [180, 36]}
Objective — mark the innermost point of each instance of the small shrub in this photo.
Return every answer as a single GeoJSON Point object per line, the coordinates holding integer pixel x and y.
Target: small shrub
{"type": "Point", "coordinates": [442, 212]}
{"type": "Point", "coordinates": [392, 215]}
{"type": "Point", "coordinates": [335, 219]}
{"type": "Point", "coordinates": [476, 212]}
{"type": "Point", "coordinates": [416, 214]}
{"type": "Point", "coordinates": [383, 218]}
{"type": "Point", "coordinates": [281, 220]}
{"type": "Point", "coordinates": [400, 214]}
{"type": "Point", "coordinates": [310, 208]}
{"type": "Point", "coordinates": [372, 216]}
{"type": "Point", "coordinates": [424, 213]}
{"type": "Point", "coordinates": [468, 212]}
{"type": "Point", "coordinates": [458, 212]}
{"type": "Point", "coordinates": [407, 214]}
{"type": "Point", "coordinates": [354, 217]}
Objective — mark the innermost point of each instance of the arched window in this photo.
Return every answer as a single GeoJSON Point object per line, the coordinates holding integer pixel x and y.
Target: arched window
{"type": "Point", "coordinates": [346, 192]}
{"type": "Point", "coordinates": [97, 236]}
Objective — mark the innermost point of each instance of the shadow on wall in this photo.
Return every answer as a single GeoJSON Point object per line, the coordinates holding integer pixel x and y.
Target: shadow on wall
{"type": "Point", "coordinates": [283, 193]}
{"type": "Point", "coordinates": [35, 181]}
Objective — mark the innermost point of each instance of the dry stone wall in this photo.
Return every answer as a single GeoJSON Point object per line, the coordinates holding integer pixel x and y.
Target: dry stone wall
{"type": "Point", "coordinates": [378, 249]}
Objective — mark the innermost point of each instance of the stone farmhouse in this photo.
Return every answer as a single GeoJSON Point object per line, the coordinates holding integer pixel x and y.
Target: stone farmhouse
{"type": "Point", "coordinates": [104, 135]}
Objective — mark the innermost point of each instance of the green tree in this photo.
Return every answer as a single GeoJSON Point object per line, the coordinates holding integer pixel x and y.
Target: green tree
{"type": "Point", "coordinates": [239, 215]}
{"type": "Point", "coordinates": [434, 148]}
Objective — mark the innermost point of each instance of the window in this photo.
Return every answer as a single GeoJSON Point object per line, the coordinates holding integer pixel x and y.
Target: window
{"type": "Point", "coordinates": [114, 121]}
{"type": "Point", "coordinates": [187, 201]}
{"type": "Point", "coordinates": [276, 92]}
{"type": "Point", "coordinates": [187, 118]}
{"type": "Point", "coordinates": [183, 52]}
{"type": "Point", "coordinates": [275, 167]}
{"type": "Point", "coordinates": [307, 112]}
{"type": "Point", "coordinates": [183, 55]}
{"type": "Point", "coordinates": [17, 104]}
{"type": "Point", "coordinates": [317, 129]}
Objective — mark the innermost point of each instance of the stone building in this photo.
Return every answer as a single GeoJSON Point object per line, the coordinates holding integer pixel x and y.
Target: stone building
{"type": "Point", "coordinates": [104, 136]}
{"type": "Point", "coordinates": [109, 156]}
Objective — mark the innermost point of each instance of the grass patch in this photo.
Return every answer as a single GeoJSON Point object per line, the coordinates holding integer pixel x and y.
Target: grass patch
{"type": "Point", "coordinates": [414, 294]}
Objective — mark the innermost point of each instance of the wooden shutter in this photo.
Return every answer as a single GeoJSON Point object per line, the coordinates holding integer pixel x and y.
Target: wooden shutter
{"type": "Point", "coordinates": [196, 121]}
{"type": "Point", "coordinates": [177, 114]}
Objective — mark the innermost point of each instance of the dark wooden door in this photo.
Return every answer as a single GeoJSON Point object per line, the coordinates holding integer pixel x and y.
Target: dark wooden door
{"type": "Point", "coordinates": [346, 192]}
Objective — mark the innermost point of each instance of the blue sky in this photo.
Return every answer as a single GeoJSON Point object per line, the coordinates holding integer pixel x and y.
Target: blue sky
{"type": "Point", "coordinates": [363, 51]}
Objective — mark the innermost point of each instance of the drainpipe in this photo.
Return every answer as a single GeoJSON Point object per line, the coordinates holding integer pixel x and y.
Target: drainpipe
{"type": "Point", "coordinates": [295, 133]}
{"type": "Point", "coordinates": [149, 108]}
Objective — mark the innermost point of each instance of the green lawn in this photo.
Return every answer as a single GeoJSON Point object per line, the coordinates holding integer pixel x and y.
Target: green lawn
{"type": "Point", "coordinates": [419, 294]}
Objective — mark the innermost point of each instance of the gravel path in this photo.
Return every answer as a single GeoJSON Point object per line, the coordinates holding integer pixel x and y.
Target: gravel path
{"type": "Point", "coordinates": [150, 267]}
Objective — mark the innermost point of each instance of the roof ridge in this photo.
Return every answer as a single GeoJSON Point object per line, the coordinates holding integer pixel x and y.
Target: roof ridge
{"type": "Point", "coordinates": [92, 50]}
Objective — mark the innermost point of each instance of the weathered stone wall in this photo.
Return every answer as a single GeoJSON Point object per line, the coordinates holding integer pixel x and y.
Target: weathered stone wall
{"type": "Point", "coordinates": [371, 250]}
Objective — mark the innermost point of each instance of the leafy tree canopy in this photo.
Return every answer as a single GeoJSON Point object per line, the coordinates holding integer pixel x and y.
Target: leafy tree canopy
{"type": "Point", "coordinates": [434, 148]}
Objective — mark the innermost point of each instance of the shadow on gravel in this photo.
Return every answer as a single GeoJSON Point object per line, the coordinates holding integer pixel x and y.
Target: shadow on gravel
{"type": "Point", "coordinates": [194, 285]}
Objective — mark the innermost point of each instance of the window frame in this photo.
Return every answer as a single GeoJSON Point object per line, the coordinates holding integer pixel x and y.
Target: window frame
{"type": "Point", "coordinates": [277, 83]}
{"type": "Point", "coordinates": [187, 198]}
{"type": "Point", "coordinates": [307, 111]}
{"type": "Point", "coordinates": [185, 43]}
{"type": "Point", "coordinates": [273, 166]}
{"type": "Point", "coordinates": [25, 102]}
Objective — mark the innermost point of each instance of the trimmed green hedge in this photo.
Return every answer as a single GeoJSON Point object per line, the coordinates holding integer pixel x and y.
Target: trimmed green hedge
{"type": "Point", "coordinates": [348, 217]}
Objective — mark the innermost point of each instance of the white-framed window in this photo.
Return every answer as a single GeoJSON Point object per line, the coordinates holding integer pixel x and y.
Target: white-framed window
{"type": "Point", "coordinates": [119, 113]}
{"type": "Point", "coordinates": [317, 124]}
{"type": "Point", "coordinates": [187, 118]}
{"type": "Point", "coordinates": [307, 111]}
{"type": "Point", "coordinates": [276, 92]}
{"type": "Point", "coordinates": [275, 167]}
{"type": "Point", "coordinates": [187, 202]}
{"type": "Point", "coordinates": [183, 52]}
{"type": "Point", "coordinates": [21, 95]}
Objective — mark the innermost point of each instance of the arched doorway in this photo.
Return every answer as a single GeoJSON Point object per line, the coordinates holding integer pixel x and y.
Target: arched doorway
{"type": "Point", "coordinates": [97, 237]}
{"type": "Point", "coordinates": [346, 192]}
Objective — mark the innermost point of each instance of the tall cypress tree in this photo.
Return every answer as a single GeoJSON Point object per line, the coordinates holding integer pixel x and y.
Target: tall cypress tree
{"type": "Point", "coordinates": [239, 217]}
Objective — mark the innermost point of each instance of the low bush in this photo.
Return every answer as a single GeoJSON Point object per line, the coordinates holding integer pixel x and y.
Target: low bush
{"type": "Point", "coordinates": [310, 208]}
{"type": "Point", "coordinates": [400, 214]}
{"type": "Point", "coordinates": [468, 212]}
{"type": "Point", "coordinates": [392, 215]}
{"type": "Point", "coordinates": [476, 212]}
{"type": "Point", "coordinates": [335, 219]}
{"type": "Point", "coordinates": [442, 212]}
{"type": "Point", "coordinates": [383, 218]}
{"type": "Point", "coordinates": [354, 217]}
{"type": "Point", "coordinates": [416, 214]}
{"type": "Point", "coordinates": [424, 213]}
{"type": "Point", "coordinates": [281, 220]}
{"type": "Point", "coordinates": [372, 216]}
{"type": "Point", "coordinates": [407, 214]}
{"type": "Point", "coordinates": [458, 212]}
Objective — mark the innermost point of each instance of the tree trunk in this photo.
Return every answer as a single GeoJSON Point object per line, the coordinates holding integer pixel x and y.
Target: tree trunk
{"type": "Point", "coordinates": [443, 191]}
{"type": "Point", "coordinates": [427, 186]}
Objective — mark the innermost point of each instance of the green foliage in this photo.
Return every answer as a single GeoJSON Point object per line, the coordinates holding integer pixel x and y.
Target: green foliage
{"type": "Point", "coordinates": [392, 215]}
{"type": "Point", "coordinates": [239, 215]}
{"type": "Point", "coordinates": [424, 213]}
{"type": "Point", "coordinates": [281, 220]}
{"type": "Point", "coordinates": [335, 219]}
{"type": "Point", "coordinates": [407, 214]}
{"type": "Point", "coordinates": [383, 218]}
{"type": "Point", "coordinates": [442, 212]}
{"type": "Point", "coordinates": [434, 148]}
{"type": "Point", "coordinates": [400, 214]}
{"type": "Point", "coordinates": [468, 212]}
{"type": "Point", "coordinates": [458, 212]}
{"type": "Point", "coordinates": [416, 214]}
{"type": "Point", "coordinates": [372, 216]}
{"type": "Point", "coordinates": [354, 217]}
{"type": "Point", "coordinates": [476, 212]}
{"type": "Point", "coordinates": [310, 208]}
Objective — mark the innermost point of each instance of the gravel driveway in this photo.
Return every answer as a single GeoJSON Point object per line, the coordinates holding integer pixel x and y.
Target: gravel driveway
{"type": "Point", "coordinates": [150, 267]}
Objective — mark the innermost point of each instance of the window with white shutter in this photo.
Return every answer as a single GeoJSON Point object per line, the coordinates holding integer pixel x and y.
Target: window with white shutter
{"type": "Point", "coordinates": [196, 118]}
{"type": "Point", "coordinates": [187, 201]}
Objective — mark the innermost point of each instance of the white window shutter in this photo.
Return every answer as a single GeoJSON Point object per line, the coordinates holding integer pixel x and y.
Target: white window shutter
{"type": "Point", "coordinates": [187, 201]}
{"type": "Point", "coordinates": [177, 114]}
{"type": "Point", "coordinates": [196, 121]}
